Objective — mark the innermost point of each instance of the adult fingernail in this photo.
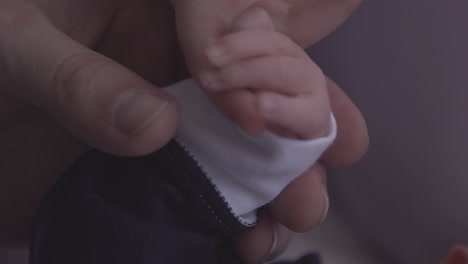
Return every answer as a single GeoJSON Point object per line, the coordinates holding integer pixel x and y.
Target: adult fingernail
{"type": "Point", "coordinates": [326, 198]}
{"type": "Point", "coordinates": [135, 110]}
{"type": "Point", "coordinates": [280, 242]}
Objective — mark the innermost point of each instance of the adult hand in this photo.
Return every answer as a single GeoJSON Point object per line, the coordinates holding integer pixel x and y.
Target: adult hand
{"type": "Point", "coordinates": [49, 66]}
{"type": "Point", "coordinates": [58, 68]}
{"type": "Point", "coordinates": [303, 204]}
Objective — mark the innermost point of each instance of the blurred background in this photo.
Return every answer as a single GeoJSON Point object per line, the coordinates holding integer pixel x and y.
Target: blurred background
{"type": "Point", "coordinates": [405, 64]}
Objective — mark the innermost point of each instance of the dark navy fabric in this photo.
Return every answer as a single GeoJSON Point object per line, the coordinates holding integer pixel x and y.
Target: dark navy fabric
{"type": "Point", "coordinates": [160, 208]}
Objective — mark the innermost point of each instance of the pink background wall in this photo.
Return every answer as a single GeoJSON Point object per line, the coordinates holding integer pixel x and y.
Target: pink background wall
{"type": "Point", "coordinates": [405, 63]}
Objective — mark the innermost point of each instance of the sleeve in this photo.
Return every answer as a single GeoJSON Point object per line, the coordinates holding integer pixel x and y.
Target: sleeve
{"type": "Point", "coordinates": [247, 171]}
{"type": "Point", "coordinates": [158, 208]}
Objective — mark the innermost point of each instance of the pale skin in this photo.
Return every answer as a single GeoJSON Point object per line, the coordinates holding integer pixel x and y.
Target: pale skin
{"type": "Point", "coordinates": [276, 76]}
{"type": "Point", "coordinates": [219, 76]}
{"type": "Point", "coordinates": [271, 76]}
{"type": "Point", "coordinates": [290, 19]}
{"type": "Point", "coordinates": [246, 56]}
{"type": "Point", "coordinates": [66, 65]}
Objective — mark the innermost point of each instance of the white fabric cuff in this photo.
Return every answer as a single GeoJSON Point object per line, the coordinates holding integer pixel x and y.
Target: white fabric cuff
{"type": "Point", "coordinates": [248, 171]}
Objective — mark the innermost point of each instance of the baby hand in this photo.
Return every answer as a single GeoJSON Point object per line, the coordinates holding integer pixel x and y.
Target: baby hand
{"type": "Point", "coordinates": [259, 74]}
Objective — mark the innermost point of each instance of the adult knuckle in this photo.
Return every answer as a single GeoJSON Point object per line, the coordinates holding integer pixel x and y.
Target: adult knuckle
{"type": "Point", "coordinates": [16, 15]}
{"type": "Point", "coordinates": [72, 78]}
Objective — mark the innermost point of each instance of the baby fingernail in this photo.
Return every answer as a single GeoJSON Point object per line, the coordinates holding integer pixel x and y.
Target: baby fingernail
{"type": "Point", "coordinates": [135, 110]}
{"type": "Point", "coordinates": [216, 55]}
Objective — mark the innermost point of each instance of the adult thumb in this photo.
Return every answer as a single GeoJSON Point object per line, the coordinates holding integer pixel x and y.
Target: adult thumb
{"type": "Point", "coordinates": [98, 100]}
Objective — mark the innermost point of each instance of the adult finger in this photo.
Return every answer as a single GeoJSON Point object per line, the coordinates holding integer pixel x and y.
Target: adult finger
{"type": "Point", "coordinates": [98, 100]}
{"type": "Point", "coordinates": [304, 203]}
{"type": "Point", "coordinates": [310, 112]}
{"type": "Point", "coordinates": [325, 16]}
{"type": "Point", "coordinates": [352, 138]}
{"type": "Point", "coordinates": [266, 241]}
